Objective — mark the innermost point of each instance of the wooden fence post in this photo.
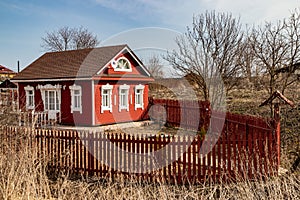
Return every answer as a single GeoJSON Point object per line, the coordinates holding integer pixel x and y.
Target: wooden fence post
{"type": "Point", "coordinates": [90, 154]}
{"type": "Point", "coordinates": [277, 135]}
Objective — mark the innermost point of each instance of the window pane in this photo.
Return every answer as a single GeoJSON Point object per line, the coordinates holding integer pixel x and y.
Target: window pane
{"type": "Point", "coordinates": [56, 101]}
{"type": "Point", "coordinates": [51, 100]}
{"type": "Point", "coordinates": [30, 103]}
{"type": "Point", "coordinates": [46, 100]}
{"type": "Point", "coordinates": [138, 100]}
{"type": "Point", "coordinates": [123, 98]}
{"type": "Point", "coordinates": [77, 102]}
{"type": "Point", "coordinates": [105, 100]}
{"type": "Point", "coordinates": [123, 64]}
{"type": "Point", "coordinates": [76, 92]}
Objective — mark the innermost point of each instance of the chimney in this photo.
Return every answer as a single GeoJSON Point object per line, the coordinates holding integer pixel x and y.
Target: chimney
{"type": "Point", "coordinates": [18, 66]}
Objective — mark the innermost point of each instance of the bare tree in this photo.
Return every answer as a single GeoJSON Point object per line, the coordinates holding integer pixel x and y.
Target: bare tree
{"type": "Point", "coordinates": [67, 38]}
{"type": "Point", "coordinates": [246, 59]}
{"type": "Point", "coordinates": [84, 39]}
{"type": "Point", "coordinates": [209, 49]}
{"type": "Point", "coordinates": [154, 66]}
{"type": "Point", "coordinates": [277, 49]}
{"type": "Point", "coordinates": [251, 71]}
{"type": "Point", "coordinates": [270, 49]}
{"type": "Point", "coordinates": [293, 53]}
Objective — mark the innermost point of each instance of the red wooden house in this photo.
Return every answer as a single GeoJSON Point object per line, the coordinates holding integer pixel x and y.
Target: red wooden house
{"type": "Point", "coordinates": [91, 87]}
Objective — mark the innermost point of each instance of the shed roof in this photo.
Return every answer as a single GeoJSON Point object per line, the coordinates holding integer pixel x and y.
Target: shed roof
{"type": "Point", "coordinates": [7, 84]}
{"type": "Point", "coordinates": [5, 70]}
{"type": "Point", "coordinates": [280, 97]}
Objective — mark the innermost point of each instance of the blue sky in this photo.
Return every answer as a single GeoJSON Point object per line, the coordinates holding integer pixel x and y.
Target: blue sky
{"type": "Point", "coordinates": [24, 22]}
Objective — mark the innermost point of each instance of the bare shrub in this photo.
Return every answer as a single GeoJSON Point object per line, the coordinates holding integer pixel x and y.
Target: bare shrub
{"type": "Point", "coordinates": [22, 175]}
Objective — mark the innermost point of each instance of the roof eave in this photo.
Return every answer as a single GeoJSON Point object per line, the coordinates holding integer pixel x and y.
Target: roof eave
{"type": "Point", "coordinates": [50, 79]}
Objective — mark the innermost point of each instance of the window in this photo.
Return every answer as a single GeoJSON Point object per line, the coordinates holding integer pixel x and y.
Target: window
{"type": "Point", "coordinates": [139, 97]}
{"type": "Point", "coordinates": [76, 103]}
{"type": "Point", "coordinates": [121, 64]}
{"type": "Point", "coordinates": [123, 97]}
{"type": "Point", "coordinates": [29, 97]}
{"type": "Point", "coordinates": [51, 100]}
{"type": "Point", "coordinates": [51, 96]}
{"type": "Point", "coordinates": [106, 92]}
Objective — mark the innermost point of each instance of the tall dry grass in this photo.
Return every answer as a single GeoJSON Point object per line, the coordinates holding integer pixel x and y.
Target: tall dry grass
{"type": "Point", "coordinates": [24, 175]}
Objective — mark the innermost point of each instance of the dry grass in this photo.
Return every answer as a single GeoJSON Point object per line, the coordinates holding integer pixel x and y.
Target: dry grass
{"type": "Point", "coordinates": [24, 176]}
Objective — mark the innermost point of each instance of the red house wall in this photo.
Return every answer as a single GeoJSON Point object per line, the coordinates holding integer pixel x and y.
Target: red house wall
{"type": "Point", "coordinates": [117, 116]}
{"type": "Point", "coordinates": [77, 118]}
{"type": "Point", "coordinates": [84, 118]}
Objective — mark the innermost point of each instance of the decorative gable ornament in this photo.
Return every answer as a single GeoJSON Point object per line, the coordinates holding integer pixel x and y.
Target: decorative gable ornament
{"type": "Point", "coordinates": [121, 64]}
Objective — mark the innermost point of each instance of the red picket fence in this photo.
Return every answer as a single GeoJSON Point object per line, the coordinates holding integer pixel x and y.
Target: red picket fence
{"type": "Point", "coordinates": [180, 113]}
{"type": "Point", "coordinates": [246, 148]}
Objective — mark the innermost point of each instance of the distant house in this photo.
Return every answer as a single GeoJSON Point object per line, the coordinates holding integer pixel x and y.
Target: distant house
{"type": "Point", "coordinates": [8, 95]}
{"type": "Point", "coordinates": [8, 90]}
{"type": "Point", "coordinates": [92, 87]}
{"type": "Point", "coordinates": [6, 73]}
{"type": "Point", "coordinates": [295, 69]}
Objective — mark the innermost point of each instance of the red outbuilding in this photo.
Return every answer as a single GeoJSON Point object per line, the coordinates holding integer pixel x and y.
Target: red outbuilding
{"type": "Point", "coordinates": [90, 87]}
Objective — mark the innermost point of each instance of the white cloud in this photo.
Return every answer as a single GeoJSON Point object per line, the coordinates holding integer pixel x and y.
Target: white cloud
{"type": "Point", "coordinates": [179, 13]}
{"type": "Point", "coordinates": [167, 12]}
{"type": "Point", "coordinates": [257, 11]}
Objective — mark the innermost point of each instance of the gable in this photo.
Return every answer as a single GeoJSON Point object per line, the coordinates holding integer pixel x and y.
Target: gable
{"type": "Point", "coordinates": [125, 63]}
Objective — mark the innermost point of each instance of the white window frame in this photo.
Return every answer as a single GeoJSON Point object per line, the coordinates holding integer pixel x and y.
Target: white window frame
{"type": "Point", "coordinates": [29, 96]}
{"type": "Point", "coordinates": [57, 96]}
{"type": "Point", "coordinates": [109, 89]}
{"type": "Point", "coordinates": [45, 91]}
{"type": "Point", "coordinates": [124, 102]}
{"type": "Point", "coordinates": [47, 102]}
{"type": "Point", "coordinates": [115, 63]}
{"type": "Point", "coordinates": [75, 107]}
{"type": "Point", "coordinates": [139, 97]}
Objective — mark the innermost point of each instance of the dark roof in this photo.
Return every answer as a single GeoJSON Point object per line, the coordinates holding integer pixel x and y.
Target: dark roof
{"type": "Point", "coordinates": [70, 64]}
{"type": "Point", "coordinates": [5, 70]}
{"type": "Point", "coordinates": [8, 84]}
